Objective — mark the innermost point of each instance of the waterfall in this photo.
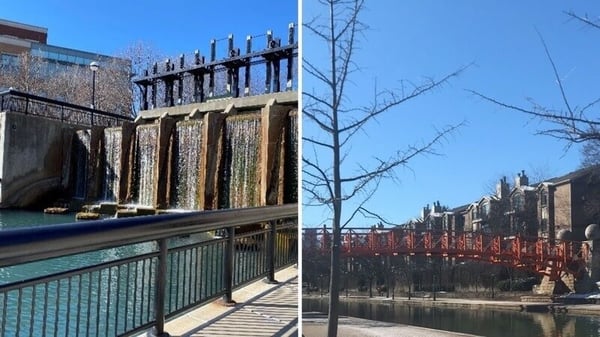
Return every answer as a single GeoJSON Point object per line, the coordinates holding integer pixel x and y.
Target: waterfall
{"type": "Point", "coordinates": [187, 154]}
{"type": "Point", "coordinates": [81, 151]}
{"type": "Point", "coordinates": [240, 171]}
{"type": "Point", "coordinates": [146, 152]}
{"type": "Point", "coordinates": [112, 164]}
{"type": "Point", "coordinates": [291, 161]}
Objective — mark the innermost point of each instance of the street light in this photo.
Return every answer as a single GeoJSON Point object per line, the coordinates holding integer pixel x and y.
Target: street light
{"type": "Point", "coordinates": [94, 67]}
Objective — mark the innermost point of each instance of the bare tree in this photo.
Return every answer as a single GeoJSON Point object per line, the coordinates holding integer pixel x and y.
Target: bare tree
{"type": "Point", "coordinates": [72, 83]}
{"type": "Point", "coordinates": [573, 123]}
{"type": "Point", "coordinates": [27, 76]}
{"type": "Point", "coordinates": [330, 111]}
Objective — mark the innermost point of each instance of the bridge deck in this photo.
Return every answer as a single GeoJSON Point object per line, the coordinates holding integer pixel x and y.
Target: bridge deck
{"type": "Point", "coordinates": [262, 310]}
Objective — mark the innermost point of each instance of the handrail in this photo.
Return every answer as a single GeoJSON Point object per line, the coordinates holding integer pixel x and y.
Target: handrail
{"type": "Point", "coordinates": [13, 92]}
{"type": "Point", "coordinates": [22, 245]}
{"type": "Point", "coordinates": [20, 102]}
{"type": "Point", "coordinates": [139, 291]}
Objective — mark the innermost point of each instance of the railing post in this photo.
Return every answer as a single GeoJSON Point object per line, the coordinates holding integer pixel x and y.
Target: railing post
{"type": "Point", "coordinates": [161, 288]}
{"type": "Point", "coordinates": [271, 253]}
{"type": "Point", "coordinates": [228, 268]}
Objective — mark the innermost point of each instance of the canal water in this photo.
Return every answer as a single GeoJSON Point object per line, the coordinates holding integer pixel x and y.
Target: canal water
{"type": "Point", "coordinates": [9, 310]}
{"type": "Point", "coordinates": [491, 323]}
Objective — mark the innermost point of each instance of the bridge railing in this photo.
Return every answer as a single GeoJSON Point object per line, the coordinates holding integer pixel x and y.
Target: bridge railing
{"type": "Point", "coordinates": [123, 276]}
{"type": "Point", "coordinates": [540, 255]}
{"type": "Point", "coordinates": [16, 101]}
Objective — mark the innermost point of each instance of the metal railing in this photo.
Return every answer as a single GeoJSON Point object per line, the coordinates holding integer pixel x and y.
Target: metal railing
{"type": "Point", "coordinates": [16, 101]}
{"type": "Point", "coordinates": [119, 277]}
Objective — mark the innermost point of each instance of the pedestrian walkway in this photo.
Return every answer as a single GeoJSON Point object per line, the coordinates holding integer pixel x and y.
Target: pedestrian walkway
{"type": "Point", "coordinates": [262, 309]}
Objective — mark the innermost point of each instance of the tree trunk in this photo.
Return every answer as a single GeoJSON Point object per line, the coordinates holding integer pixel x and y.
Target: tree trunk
{"type": "Point", "coordinates": [334, 288]}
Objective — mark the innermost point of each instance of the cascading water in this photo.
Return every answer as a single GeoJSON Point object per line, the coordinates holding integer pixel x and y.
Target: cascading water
{"type": "Point", "coordinates": [240, 169]}
{"type": "Point", "coordinates": [112, 164]}
{"type": "Point", "coordinates": [146, 152]}
{"type": "Point", "coordinates": [81, 151]}
{"type": "Point", "coordinates": [187, 154]}
{"type": "Point", "coordinates": [291, 161]}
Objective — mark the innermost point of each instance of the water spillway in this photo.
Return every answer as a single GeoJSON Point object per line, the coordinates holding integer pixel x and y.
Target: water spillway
{"type": "Point", "coordinates": [111, 164]}
{"type": "Point", "coordinates": [186, 159]}
{"type": "Point", "coordinates": [81, 154]}
{"type": "Point", "coordinates": [290, 194]}
{"type": "Point", "coordinates": [146, 151]}
{"type": "Point", "coordinates": [190, 159]}
{"type": "Point", "coordinates": [241, 158]}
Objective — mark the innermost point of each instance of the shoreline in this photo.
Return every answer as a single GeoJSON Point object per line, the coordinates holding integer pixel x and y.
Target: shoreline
{"type": "Point", "coordinates": [314, 324]}
{"type": "Point", "coordinates": [475, 303]}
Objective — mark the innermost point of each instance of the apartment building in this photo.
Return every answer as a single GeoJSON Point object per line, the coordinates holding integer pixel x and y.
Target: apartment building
{"type": "Point", "coordinates": [570, 202]}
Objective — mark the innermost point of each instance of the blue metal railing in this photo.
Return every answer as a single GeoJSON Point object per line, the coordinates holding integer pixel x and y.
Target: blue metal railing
{"type": "Point", "coordinates": [143, 270]}
{"type": "Point", "coordinates": [16, 101]}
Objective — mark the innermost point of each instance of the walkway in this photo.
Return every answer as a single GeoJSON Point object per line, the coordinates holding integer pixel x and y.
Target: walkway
{"type": "Point", "coordinates": [262, 310]}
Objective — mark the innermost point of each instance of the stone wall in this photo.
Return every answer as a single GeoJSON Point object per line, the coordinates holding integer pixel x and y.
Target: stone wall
{"type": "Point", "coordinates": [33, 151]}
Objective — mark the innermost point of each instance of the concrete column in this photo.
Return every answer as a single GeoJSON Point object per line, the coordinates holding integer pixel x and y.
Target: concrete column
{"type": "Point", "coordinates": [94, 183]}
{"type": "Point", "coordinates": [212, 147]}
{"type": "Point", "coordinates": [593, 263]}
{"type": "Point", "coordinates": [127, 137]}
{"type": "Point", "coordinates": [273, 118]}
{"type": "Point", "coordinates": [163, 167]}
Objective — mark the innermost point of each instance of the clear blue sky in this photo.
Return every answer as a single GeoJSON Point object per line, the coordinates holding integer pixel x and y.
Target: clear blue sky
{"type": "Point", "coordinates": [171, 27]}
{"type": "Point", "coordinates": [411, 40]}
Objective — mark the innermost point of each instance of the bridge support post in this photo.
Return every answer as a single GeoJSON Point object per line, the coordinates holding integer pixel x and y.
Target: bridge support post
{"type": "Point", "coordinates": [592, 233]}
{"type": "Point", "coordinates": [593, 264]}
{"type": "Point", "coordinates": [161, 285]}
{"type": "Point", "coordinates": [271, 253]}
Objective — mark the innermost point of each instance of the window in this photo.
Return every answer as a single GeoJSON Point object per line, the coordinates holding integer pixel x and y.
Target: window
{"type": "Point", "coordinates": [485, 209]}
{"type": "Point", "coordinates": [9, 61]}
{"type": "Point", "coordinates": [517, 202]}
{"type": "Point", "coordinates": [544, 198]}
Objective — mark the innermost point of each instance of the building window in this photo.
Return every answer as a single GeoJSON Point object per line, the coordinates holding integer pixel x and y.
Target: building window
{"type": "Point", "coordinates": [9, 61]}
{"type": "Point", "coordinates": [544, 198]}
{"type": "Point", "coordinates": [485, 209]}
{"type": "Point", "coordinates": [517, 202]}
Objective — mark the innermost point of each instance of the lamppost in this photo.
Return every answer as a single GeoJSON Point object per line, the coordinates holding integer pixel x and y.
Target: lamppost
{"type": "Point", "coordinates": [94, 67]}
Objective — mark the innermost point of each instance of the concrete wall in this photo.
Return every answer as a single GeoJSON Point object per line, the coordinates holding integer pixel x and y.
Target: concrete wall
{"type": "Point", "coordinates": [32, 152]}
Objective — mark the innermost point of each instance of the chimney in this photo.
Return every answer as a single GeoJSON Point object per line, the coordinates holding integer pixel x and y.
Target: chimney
{"type": "Point", "coordinates": [502, 188]}
{"type": "Point", "coordinates": [425, 212]}
{"type": "Point", "coordinates": [521, 179]}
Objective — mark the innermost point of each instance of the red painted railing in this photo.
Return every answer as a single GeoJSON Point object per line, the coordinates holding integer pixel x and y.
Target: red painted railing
{"type": "Point", "coordinates": [541, 255]}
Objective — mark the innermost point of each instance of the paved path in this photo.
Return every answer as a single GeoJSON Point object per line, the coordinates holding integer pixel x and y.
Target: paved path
{"type": "Point", "coordinates": [262, 310]}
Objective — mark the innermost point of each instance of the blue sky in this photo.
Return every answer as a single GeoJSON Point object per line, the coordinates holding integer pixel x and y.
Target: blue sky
{"type": "Point", "coordinates": [412, 40]}
{"type": "Point", "coordinates": [171, 28]}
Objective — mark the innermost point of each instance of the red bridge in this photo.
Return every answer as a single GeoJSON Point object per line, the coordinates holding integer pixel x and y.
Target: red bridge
{"type": "Point", "coordinates": [541, 255]}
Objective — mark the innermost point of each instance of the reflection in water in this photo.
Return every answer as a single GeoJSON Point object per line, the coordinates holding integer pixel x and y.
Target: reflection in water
{"type": "Point", "coordinates": [479, 322]}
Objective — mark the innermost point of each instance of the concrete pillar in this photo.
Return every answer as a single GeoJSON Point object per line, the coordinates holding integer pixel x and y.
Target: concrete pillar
{"type": "Point", "coordinates": [212, 147]}
{"type": "Point", "coordinates": [127, 136]}
{"type": "Point", "coordinates": [592, 233]}
{"type": "Point", "coordinates": [593, 262]}
{"type": "Point", "coordinates": [163, 167]}
{"type": "Point", "coordinates": [94, 183]}
{"type": "Point", "coordinates": [273, 117]}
